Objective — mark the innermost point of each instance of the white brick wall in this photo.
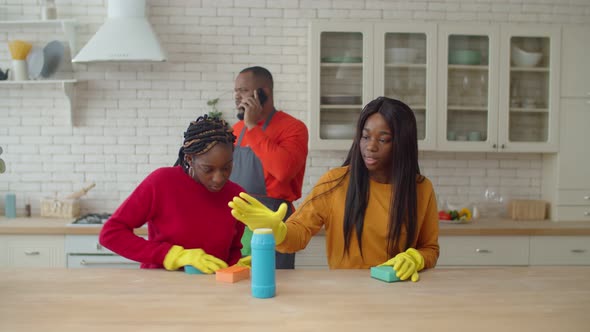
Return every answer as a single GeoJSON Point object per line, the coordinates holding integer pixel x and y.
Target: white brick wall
{"type": "Point", "coordinates": [129, 118]}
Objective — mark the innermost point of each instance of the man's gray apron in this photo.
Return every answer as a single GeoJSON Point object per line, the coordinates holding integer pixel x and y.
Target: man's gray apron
{"type": "Point", "coordinates": [248, 173]}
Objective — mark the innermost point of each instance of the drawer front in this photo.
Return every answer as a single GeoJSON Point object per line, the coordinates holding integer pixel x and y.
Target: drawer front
{"type": "Point", "coordinates": [314, 254]}
{"type": "Point", "coordinates": [560, 250]}
{"type": "Point", "coordinates": [573, 213]}
{"type": "Point", "coordinates": [100, 261]}
{"type": "Point", "coordinates": [32, 256]}
{"type": "Point", "coordinates": [483, 250]}
{"type": "Point", "coordinates": [32, 250]}
{"type": "Point", "coordinates": [86, 244]}
{"type": "Point", "coordinates": [573, 197]}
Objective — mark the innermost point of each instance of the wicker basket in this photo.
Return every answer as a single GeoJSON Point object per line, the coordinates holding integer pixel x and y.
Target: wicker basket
{"type": "Point", "coordinates": [61, 208]}
{"type": "Point", "coordinates": [527, 209]}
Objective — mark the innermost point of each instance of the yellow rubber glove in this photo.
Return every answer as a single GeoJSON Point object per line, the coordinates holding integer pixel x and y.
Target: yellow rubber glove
{"type": "Point", "coordinates": [245, 262]}
{"type": "Point", "coordinates": [407, 264]}
{"type": "Point", "coordinates": [254, 214]}
{"type": "Point", "coordinates": [178, 257]}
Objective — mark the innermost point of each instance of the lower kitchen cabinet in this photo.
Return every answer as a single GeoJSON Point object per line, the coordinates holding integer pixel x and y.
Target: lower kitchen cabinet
{"type": "Point", "coordinates": [560, 250]}
{"type": "Point", "coordinates": [32, 251]}
{"type": "Point", "coordinates": [85, 251]}
{"type": "Point", "coordinates": [483, 250]}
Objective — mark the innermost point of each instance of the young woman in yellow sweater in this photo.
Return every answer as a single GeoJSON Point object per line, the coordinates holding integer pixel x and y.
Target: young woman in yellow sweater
{"type": "Point", "coordinates": [377, 209]}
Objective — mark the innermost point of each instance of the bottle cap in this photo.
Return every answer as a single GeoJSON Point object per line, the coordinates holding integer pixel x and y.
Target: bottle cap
{"type": "Point", "coordinates": [263, 231]}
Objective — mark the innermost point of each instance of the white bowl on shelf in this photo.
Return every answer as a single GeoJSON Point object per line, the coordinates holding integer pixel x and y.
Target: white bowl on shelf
{"type": "Point", "coordinates": [401, 55]}
{"type": "Point", "coordinates": [337, 130]}
{"type": "Point", "coordinates": [522, 58]}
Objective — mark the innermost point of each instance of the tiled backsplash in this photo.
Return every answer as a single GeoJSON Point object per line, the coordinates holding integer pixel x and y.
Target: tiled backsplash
{"type": "Point", "coordinates": [129, 117]}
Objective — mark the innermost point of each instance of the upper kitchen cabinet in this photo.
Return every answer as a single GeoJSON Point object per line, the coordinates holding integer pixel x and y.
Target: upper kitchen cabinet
{"type": "Point", "coordinates": [350, 64]}
{"type": "Point", "coordinates": [575, 74]}
{"type": "Point", "coordinates": [468, 87]}
{"type": "Point", "coordinates": [498, 88]}
{"type": "Point", "coordinates": [404, 69]}
{"type": "Point", "coordinates": [529, 88]}
{"type": "Point", "coordinates": [340, 70]}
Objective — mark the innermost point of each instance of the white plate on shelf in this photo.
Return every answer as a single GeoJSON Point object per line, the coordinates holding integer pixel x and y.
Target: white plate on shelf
{"type": "Point", "coordinates": [54, 52]}
{"type": "Point", "coordinates": [35, 62]}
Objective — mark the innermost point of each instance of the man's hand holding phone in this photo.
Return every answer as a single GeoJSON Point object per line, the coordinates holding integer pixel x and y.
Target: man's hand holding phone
{"type": "Point", "coordinates": [252, 108]}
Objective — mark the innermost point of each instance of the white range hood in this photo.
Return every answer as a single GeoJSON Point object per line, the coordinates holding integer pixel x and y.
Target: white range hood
{"type": "Point", "coordinates": [126, 35]}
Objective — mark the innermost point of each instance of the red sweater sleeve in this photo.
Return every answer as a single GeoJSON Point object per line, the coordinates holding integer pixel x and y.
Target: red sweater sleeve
{"type": "Point", "coordinates": [178, 211]}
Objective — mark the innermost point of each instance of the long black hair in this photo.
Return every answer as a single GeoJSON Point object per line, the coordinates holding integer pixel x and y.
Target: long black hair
{"type": "Point", "coordinates": [202, 135]}
{"type": "Point", "coordinates": [405, 173]}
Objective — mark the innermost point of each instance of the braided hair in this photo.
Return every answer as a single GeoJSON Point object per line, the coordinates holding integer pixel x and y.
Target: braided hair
{"type": "Point", "coordinates": [202, 135]}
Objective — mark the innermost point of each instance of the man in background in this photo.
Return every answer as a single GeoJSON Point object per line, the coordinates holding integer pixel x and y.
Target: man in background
{"type": "Point", "coordinates": [270, 152]}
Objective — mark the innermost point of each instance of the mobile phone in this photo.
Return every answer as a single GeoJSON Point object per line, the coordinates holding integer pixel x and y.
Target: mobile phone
{"type": "Point", "coordinates": [261, 96]}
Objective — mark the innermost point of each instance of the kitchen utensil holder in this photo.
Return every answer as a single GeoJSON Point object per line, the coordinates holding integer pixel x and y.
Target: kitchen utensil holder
{"type": "Point", "coordinates": [19, 68]}
{"type": "Point", "coordinates": [60, 208]}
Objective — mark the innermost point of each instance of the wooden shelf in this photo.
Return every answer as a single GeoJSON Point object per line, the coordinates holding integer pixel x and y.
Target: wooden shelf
{"type": "Point", "coordinates": [530, 69]}
{"type": "Point", "coordinates": [406, 65]}
{"type": "Point", "coordinates": [347, 106]}
{"type": "Point", "coordinates": [66, 85]}
{"type": "Point", "coordinates": [38, 82]}
{"type": "Point", "coordinates": [467, 108]}
{"type": "Point", "coordinates": [342, 64]}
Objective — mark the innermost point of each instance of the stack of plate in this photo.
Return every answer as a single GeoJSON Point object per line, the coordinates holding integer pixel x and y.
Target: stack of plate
{"type": "Point", "coordinates": [44, 62]}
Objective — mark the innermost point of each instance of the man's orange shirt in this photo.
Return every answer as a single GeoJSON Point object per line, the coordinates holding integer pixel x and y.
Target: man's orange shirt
{"type": "Point", "coordinates": [282, 150]}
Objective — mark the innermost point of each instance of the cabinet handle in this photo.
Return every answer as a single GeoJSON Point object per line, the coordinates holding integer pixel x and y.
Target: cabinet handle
{"type": "Point", "coordinates": [32, 253]}
{"type": "Point", "coordinates": [503, 146]}
{"type": "Point", "coordinates": [483, 251]}
{"type": "Point", "coordinates": [578, 251]}
{"type": "Point", "coordinates": [494, 146]}
{"type": "Point", "coordinates": [87, 263]}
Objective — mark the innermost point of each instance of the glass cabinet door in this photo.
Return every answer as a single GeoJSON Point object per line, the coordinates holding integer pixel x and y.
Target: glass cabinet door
{"type": "Point", "coordinates": [341, 83]}
{"type": "Point", "coordinates": [468, 89]}
{"type": "Point", "coordinates": [529, 88]}
{"type": "Point", "coordinates": [468, 114]}
{"type": "Point", "coordinates": [405, 70]}
{"type": "Point", "coordinates": [341, 69]}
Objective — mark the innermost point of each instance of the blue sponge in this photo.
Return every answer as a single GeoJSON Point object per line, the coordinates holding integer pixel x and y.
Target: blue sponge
{"type": "Point", "coordinates": [384, 273]}
{"type": "Point", "coordinates": [192, 270]}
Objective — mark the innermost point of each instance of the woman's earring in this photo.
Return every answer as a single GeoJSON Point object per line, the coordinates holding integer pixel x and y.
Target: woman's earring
{"type": "Point", "coordinates": [191, 172]}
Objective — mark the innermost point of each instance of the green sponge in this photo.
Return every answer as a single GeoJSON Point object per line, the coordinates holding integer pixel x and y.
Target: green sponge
{"type": "Point", "coordinates": [384, 273]}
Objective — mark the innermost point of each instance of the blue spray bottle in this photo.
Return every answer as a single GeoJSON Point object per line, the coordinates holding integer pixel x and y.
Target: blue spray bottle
{"type": "Point", "coordinates": [263, 263]}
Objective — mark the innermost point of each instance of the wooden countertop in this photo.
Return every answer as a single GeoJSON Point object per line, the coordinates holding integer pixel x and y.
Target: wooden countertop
{"type": "Point", "coordinates": [40, 226]}
{"type": "Point", "coordinates": [49, 226]}
{"type": "Point", "coordinates": [484, 299]}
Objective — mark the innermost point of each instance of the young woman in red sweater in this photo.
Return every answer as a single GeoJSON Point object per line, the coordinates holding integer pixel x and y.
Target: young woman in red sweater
{"type": "Point", "coordinates": [184, 206]}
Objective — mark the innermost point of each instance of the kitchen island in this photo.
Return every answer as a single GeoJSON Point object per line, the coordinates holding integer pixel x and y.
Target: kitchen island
{"type": "Point", "coordinates": [486, 299]}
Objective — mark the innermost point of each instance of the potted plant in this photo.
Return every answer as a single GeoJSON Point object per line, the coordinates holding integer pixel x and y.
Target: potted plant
{"type": "Point", "coordinates": [214, 112]}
